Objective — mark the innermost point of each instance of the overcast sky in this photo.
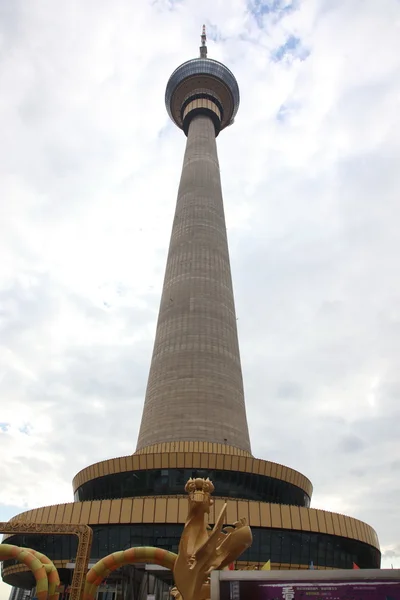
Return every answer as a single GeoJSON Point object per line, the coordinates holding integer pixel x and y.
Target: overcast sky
{"type": "Point", "coordinates": [89, 169]}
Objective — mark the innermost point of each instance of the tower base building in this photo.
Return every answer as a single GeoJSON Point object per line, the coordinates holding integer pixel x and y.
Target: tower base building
{"type": "Point", "coordinates": [194, 418]}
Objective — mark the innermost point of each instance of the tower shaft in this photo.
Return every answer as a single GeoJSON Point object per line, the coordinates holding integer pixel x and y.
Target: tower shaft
{"type": "Point", "coordinates": [195, 387]}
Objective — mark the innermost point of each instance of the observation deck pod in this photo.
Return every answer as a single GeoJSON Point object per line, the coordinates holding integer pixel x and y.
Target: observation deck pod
{"type": "Point", "coordinates": [208, 82]}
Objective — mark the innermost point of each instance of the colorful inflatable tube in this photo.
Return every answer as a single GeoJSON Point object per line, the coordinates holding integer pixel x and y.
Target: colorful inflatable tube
{"type": "Point", "coordinates": [106, 565]}
{"type": "Point", "coordinates": [8, 551]}
{"type": "Point", "coordinates": [52, 573]}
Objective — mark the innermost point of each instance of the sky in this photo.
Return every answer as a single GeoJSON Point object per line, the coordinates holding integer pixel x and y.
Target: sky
{"type": "Point", "coordinates": [89, 170]}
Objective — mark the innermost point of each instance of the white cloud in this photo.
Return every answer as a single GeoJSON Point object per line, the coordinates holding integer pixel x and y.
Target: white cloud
{"type": "Point", "coordinates": [89, 166]}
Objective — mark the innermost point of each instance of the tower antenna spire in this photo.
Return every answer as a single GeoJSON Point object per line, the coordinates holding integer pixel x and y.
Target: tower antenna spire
{"type": "Point", "coordinates": [203, 47]}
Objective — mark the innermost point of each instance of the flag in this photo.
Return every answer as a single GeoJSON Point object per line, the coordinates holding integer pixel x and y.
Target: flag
{"type": "Point", "coordinates": [267, 566]}
{"type": "Point", "coordinates": [311, 565]}
{"type": "Point", "coordinates": [355, 566]}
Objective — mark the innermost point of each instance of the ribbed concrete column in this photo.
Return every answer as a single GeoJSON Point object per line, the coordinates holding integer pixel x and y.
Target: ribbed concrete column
{"type": "Point", "coordinates": [195, 388]}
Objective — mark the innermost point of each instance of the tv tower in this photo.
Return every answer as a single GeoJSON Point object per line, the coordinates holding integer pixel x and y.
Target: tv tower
{"type": "Point", "coordinates": [195, 386]}
{"type": "Point", "coordinates": [194, 418]}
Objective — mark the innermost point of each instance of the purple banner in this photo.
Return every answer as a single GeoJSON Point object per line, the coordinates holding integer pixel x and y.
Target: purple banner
{"type": "Point", "coordinates": [334, 590]}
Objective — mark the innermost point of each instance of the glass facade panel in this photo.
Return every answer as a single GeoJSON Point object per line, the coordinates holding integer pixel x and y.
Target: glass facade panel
{"type": "Point", "coordinates": [292, 547]}
{"type": "Point", "coordinates": [155, 482]}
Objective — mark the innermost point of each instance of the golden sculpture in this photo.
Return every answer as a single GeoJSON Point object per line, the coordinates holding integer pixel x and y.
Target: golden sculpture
{"type": "Point", "coordinates": [202, 549]}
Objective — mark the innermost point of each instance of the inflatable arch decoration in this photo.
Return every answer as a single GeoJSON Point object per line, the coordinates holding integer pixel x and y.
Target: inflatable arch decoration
{"type": "Point", "coordinates": [52, 573]}
{"type": "Point", "coordinates": [8, 551]}
{"type": "Point", "coordinates": [116, 560]}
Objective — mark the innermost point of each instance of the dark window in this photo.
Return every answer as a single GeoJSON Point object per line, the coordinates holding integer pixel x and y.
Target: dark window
{"type": "Point", "coordinates": [154, 482]}
{"type": "Point", "coordinates": [292, 547]}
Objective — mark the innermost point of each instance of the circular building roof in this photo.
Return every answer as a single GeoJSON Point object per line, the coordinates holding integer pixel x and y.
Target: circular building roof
{"type": "Point", "coordinates": [199, 73]}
